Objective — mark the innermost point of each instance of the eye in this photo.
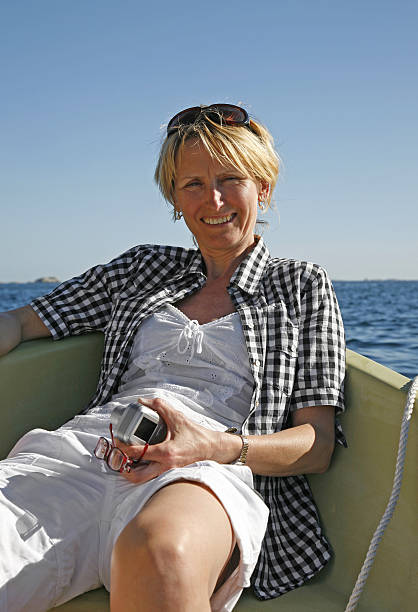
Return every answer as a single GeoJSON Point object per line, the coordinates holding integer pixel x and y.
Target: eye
{"type": "Point", "coordinates": [237, 179]}
{"type": "Point", "coordinates": [192, 184]}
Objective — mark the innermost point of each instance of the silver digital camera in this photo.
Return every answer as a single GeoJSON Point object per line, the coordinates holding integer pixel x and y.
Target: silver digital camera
{"type": "Point", "coordinates": [137, 424]}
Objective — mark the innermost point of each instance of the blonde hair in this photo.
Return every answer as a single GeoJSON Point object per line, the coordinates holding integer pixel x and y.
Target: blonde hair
{"type": "Point", "coordinates": [249, 149]}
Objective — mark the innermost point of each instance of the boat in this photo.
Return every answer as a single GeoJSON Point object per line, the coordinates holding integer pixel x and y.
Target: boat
{"type": "Point", "coordinates": [45, 383]}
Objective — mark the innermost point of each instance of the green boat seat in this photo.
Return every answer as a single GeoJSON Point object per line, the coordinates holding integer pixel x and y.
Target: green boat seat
{"type": "Point", "coordinates": [312, 598]}
{"type": "Point", "coordinates": [44, 383]}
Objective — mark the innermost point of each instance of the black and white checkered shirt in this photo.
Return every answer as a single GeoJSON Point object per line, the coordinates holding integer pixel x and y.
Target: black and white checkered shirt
{"type": "Point", "coordinates": [295, 341]}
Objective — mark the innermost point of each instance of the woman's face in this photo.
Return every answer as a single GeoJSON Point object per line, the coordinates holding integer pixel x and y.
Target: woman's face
{"type": "Point", "coordinates": [218, 202]}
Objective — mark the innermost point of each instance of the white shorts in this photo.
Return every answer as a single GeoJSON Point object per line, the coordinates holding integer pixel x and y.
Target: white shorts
{"type": "Point", "coordinates": [61, 511]}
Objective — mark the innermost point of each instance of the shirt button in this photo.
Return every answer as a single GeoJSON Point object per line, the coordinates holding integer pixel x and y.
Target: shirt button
{"type": "Point", "coordinates": [257, 403]}
{"type": "Point", "coordinates": [256, 362]}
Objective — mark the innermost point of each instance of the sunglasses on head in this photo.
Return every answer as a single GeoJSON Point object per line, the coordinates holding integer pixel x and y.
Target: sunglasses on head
{"type": "Point", "coordinates": [227, 114]}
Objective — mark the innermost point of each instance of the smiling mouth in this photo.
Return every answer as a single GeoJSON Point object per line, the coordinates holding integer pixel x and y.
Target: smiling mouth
{"type": "Point", "coordinates": [218, 220]}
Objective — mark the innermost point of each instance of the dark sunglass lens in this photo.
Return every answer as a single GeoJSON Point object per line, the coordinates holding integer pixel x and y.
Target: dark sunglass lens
{"type": "Point", "coordinates": [217, 113]}
{"type": "Point", "coordinates": [231, 115]}
{"type": "Point", "coordinates": [184, 118]}
{"type": "Point", "coordinates": [214, 116]}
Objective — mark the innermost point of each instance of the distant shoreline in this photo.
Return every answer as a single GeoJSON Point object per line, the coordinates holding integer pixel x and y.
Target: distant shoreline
{"type": "Point", "coordinates": [43, 279]}
{"type": "Point", "coordinates": [375, 280]}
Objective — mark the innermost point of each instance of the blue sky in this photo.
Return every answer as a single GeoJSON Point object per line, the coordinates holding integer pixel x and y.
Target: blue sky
{"type": "Point", "coordinates": [87, 85]}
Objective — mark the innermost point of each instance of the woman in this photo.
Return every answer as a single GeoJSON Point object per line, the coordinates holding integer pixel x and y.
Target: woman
{"type": "Point", "coordinates": [212, 339]}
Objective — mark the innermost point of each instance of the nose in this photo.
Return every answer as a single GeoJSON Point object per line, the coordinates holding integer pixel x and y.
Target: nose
{"type": "Point", "coordinates": [215, 197]}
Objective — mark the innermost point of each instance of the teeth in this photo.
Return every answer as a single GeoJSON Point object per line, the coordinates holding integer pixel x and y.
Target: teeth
{"type": "Point", "coordinates": [217, 220]}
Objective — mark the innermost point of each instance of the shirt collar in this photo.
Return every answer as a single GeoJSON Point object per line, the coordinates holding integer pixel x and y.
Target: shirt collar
{"type": "Point", "coordinates": [196, 264]}
{"type": "Point", "coordinates": [249, 272]}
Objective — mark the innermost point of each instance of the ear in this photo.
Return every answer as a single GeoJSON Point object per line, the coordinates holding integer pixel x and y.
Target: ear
{"type": "Point", "coordinates": [177, 214]}
{"type": "Point", "coordinates": [264, 191]}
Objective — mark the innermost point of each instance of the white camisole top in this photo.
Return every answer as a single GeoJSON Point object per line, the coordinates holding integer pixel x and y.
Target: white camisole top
{"type": "Point", "coordinates": [202, 370]}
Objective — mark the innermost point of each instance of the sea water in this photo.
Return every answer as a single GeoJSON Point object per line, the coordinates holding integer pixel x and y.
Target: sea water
{"type": "Point", "coordinates": [381, 321]}
{"type": "Point", "coordinates": [380, 317]}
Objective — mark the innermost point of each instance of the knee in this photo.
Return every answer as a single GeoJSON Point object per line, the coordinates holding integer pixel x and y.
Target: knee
{"type": "Point", "coordinates": [153, 570]}
{"type": "Point", "coordinates": [153, 551]}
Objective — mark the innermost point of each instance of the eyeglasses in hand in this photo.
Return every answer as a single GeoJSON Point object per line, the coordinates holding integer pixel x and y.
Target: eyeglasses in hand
{"type": "Point", "coordinates": [115, 458]}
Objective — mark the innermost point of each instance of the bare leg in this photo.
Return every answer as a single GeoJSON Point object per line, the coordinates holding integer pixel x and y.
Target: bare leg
{"type": "Point", "coordinates": [170, 556]}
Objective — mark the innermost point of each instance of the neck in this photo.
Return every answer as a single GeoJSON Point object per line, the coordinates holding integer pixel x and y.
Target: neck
{"type": "Point", "coordinates": [220, 266]}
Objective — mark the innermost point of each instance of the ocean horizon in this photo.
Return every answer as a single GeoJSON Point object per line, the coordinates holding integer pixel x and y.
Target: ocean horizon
{"type": "Point", "coordinates": [380, 316]}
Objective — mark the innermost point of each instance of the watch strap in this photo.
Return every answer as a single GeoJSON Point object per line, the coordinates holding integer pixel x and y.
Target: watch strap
{"type": "Point", "coordinates": [242, 459]}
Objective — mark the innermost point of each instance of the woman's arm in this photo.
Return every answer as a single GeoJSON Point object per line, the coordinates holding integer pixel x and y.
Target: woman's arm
{"type": "Point", "coordinates": [19, 325]}
{"type": "Point", "coordinates": [304, 448]}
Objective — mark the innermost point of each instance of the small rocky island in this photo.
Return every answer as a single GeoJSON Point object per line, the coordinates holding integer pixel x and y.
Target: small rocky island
{"type": "Point", "coordinates": [47, 279]}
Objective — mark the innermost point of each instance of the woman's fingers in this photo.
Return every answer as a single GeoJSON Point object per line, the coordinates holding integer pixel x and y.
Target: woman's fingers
{"type": "Point", "coordinates": [186, 443]}
{"type": "Point", "coordinates": [133, 451]}
{"type": "Point", "coordinates": [161, 407]}
{"type": "Point", "coordinates": [143, 472]}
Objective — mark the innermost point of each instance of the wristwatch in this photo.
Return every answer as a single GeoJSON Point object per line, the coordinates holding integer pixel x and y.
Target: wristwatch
{"type": "Point", "coordinates": [242, 459]}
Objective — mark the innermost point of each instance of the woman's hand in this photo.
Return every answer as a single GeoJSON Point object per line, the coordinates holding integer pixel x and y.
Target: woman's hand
{"type": "Point", "coordinates": [186, 442]}
{"type": "Point", "coordinates": [19, 325]}
{"type": "Point", "coordinates": [302, 449]}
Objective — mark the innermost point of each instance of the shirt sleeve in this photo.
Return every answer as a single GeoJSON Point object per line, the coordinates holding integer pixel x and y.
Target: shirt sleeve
{"type": "Point", "coordinates": [319, 378]}
{"type": "Point", "coordinates": [84, 304]}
